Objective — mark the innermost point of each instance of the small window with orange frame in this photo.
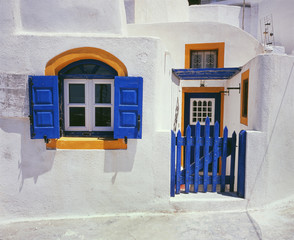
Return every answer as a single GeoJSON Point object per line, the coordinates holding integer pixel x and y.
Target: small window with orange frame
{"type": "Point", "coordinates": [244, 98]}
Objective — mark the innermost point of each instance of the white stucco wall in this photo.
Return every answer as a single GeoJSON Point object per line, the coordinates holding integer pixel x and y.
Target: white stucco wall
{"type": "Point", "coordinates": [36, 182]}
{"type": "Point", "coordinates": [154, 11]}
{"type": "Point", "coordinates": [216, 13]}
{"type": "Point", "coordinates": [240, 47]}
{"type": "Point", "coordinates": [102, 16]}
{"type": "Point", "coordinates": [40, 183]}
{"type": "Point", "coordinates": [269, 160]}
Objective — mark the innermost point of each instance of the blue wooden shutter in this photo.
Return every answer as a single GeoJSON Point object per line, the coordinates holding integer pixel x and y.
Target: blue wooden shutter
{"type": "Point", "coordinates": [128, 107]}
{"type": "Point", "coordinates": [44, 110]}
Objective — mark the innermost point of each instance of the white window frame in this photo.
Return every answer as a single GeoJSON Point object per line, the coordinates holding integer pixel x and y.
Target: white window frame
{"type": "Point", "coordinates": [109, 105]}
{"type": "Point", "coordinates": [212, 121]}
{"type": "Point", "coordinates": [89, 104]}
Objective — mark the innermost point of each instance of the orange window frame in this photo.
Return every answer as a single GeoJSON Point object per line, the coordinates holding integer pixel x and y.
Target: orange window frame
{"type": "Point", "coordinates": [60, 61]}
{"type": "Point", "coordinates": [220, 47]}
{"type": "Point", "coordinates": [244, 79]}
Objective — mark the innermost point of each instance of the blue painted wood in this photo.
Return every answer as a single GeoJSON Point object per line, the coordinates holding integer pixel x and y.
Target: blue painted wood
{"type": "Point", "coordinates": [206, 154]}
{"type": "Point", "coordinates": [44, 107]}
{"type": "Point", "coordinates": [241, 164]}
{"type": "Point", "coordinates": [187, 158]}
{"type": "Point", "coordinates": [172, 164]}
{"type": "Point", "coordinates": [201, 179]}
{"type": "Point", "coordinates": [128, 107]}
{"type": "Point", "coordinates": [201, 163]}
{"type": "Point", "coordinates": [180, 143]}
{"type": "Point", "coordinates": [224, 159]}
{"type": "Point", "coordinates": [215, 156]}
{"type": "Point", "coordinates": [233, 156]}
{"type": "Point", "coordinates": [206, 73]}
{"type": "Point", "coordinates": [213, 149]}
{"type": "Point", "coordinates": [197, 156]}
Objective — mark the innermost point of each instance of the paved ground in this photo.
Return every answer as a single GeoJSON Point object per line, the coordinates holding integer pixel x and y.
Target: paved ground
{"type": "Point", "coordinates": [276, 223]}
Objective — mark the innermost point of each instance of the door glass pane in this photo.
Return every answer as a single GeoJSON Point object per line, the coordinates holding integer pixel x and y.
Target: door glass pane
{"type": "Point", "coordinates": [202, 111]}
{"type": "Point", "coordinates": [76, 93]}
{"type": "Point", "coordinates": [76, 116]}
{"type": "Point", "coordinates": [102, 117]}
{"type": "Point", "coordinates": [102, 93]}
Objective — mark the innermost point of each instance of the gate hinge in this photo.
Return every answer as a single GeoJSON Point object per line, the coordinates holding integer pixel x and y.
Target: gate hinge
{"type": "Point", "coordinates": [31, 119]}
{"type": "Point", "coordinates": [46, 140]}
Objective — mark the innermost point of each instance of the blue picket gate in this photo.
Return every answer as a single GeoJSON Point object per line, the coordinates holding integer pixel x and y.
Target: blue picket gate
{"type": "Point", "coordinates": [195, 171]}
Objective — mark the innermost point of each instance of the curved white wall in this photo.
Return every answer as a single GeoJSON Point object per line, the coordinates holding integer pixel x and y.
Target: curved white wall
{"type": "Point", "coordinates": [269, 157]}
{"type": "Point", "coordinates": [240, 47]}
{"type": "Point", "coordinates": [154, 11]}
{"type": "Point", "coordinates": [216, 13]}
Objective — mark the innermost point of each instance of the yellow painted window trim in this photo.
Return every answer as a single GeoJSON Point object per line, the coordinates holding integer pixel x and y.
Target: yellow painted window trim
{"type": "Point", "coordinates": [59, 62]}
{"type": "Point", "coordinates": [244, 76]}
{"type": "Point", "coordinates": [85, 143]}
{"type": "Point", "coordinates": [220, 47]}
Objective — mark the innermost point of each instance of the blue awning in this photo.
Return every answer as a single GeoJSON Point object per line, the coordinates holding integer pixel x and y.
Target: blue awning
{"type": "Point", "coordinates": [206, 73]}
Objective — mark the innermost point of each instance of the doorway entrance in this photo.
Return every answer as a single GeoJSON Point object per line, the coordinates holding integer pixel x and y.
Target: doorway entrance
{"type": "Point", "coordinates": [198, 103]}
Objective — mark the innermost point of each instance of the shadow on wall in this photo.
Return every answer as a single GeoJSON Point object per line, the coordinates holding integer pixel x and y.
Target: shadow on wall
{"type": "Point", "coordinates": [34, 159]}
{"type": "Point", "coordinates": [120, 160]}
{"type": "Point", "coordinates": [130, 10]}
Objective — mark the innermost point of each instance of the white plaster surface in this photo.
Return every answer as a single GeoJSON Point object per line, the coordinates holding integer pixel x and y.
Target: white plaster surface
{"type": "Point", "coordinates": [70, 16]}
{"type": "Point", "coordinates": [216, 13]}
{"type": "Point", "coordinates": [239, 48]}
{"type": "Point", "coordinates": [269, 159]}
{"type": "Point", "coordinates": [36, 182]}
{"type": "Point", "coordinates": [154, 11]}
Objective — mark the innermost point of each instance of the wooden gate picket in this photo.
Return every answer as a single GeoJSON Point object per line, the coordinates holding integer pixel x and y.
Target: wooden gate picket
{"type": "Point", "coordinates": [195, 172]}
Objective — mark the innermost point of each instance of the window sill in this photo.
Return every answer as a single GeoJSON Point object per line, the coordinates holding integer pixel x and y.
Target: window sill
{"type": "Point", "coordinates": [85, 143]}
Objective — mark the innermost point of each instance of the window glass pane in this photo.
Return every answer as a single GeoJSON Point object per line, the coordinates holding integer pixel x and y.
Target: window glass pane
{"type": "Point", "coordinates": [196, 59]}
{"type": "Point", "coordinates": [76, 93]}
{"type": "Point", "coordinates": [210, 59]}
{"type": "Point", "coordinates": [89, 67]}
{"type": "Point", "coordinates": [76, 116]}
{"type": "Point", "coordinates": [102, 117]}
{"type": "Point", "coordinates": [245, 98]}
{"type": "Point", "coordinates": [102, 93]}
{"type": "Point", "coordinates": [203, 59]}
{"type": "Point", "coordinates": [75, 70]}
